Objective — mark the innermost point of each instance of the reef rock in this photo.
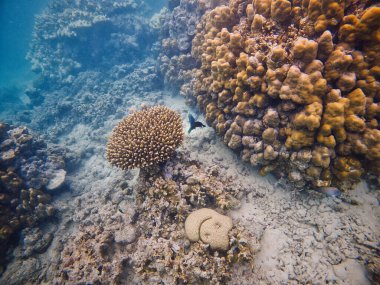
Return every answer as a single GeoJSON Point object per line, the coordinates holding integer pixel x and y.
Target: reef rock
{"type": "Point", "coordinates": [147, 244]}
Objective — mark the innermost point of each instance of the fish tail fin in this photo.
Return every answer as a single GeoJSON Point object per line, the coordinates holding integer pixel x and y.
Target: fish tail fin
{"type": "Point", "coordinates": [192, 123]}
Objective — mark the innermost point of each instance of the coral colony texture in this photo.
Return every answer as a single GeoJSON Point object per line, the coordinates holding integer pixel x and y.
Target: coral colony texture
{"type": "Point", "coordinates": [294, 87]}
{"type": "Point", "coordinates": [210, 227]}
{"type": "Point", "coordinates": [178, 28]}
{"type": "Point", "coordinates": [29, 173]}
{"type": "Point", "coordinates": [145, 138]}
{"type": "Point", "coordinates": [148, 244]}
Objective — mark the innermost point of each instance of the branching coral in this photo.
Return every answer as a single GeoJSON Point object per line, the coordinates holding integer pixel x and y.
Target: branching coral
{"type": "Point", "coordinates": [281, 79]}
{"type": "Point", "coordinates": [145, 138]}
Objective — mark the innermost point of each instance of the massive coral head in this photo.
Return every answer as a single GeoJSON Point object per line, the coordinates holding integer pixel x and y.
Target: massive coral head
{"type": "Point", "coordinates": [313, 65]}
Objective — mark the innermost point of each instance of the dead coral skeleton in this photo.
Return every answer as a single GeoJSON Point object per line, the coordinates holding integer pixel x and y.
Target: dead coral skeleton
{"type": "Point", "coordinates": [158, 250]}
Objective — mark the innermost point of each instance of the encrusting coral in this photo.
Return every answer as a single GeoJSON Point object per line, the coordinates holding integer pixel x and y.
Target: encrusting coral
{"type": "Point", "coordinates": [294, 86]}
{"type": "Point", "coordinates": [144, 138]}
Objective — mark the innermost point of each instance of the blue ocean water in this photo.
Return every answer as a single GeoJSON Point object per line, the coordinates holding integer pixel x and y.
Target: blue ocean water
{"type": "Point", "coordinates": [16, 27]}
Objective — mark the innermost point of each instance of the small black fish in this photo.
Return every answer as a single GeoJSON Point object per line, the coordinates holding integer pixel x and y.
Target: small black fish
{"type": "Point", "coordinates": [194, 124]}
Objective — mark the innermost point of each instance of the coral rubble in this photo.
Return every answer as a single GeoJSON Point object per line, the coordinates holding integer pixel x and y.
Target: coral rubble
{"type": "Point", "coordinates": [146, 244]}
{"type": "Point", "coordinates": [294, 86]}
{"type": "Point", "coordinates": [145, 138]}
{"type": "Point", "coordinates": [163, 206]}
{"type": "Point", "coordinates": [27, 169]}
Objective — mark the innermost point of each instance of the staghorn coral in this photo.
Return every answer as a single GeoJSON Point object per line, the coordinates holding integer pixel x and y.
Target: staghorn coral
{"type": "Point", "coordinates": [144, 138]}
{"type": "Point", "coordinates": [302, 82]}
{"type": "Point", "coordinates": [27, 169]}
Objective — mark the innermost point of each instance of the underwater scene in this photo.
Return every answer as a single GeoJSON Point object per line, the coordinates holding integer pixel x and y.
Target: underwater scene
{"type": "Point", "coordinates": [165, 142]}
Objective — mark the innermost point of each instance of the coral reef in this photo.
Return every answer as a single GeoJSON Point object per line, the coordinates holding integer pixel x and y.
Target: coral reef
{"type": "Point", "coordinates": [146, 243]}
{"type": "Point", "coordinates": [91, 97]}
{"type": "Point", "coordinates": [145, 138]}
{"type": "Point", "coordinates": [162, 249]}
{"type": "Point", "coordinates": [115, 32]}
{"type": "Point", "coordinates": [91, 58]}
{"type": "Point", "coordinates": [28, 170]}
{"type": "Point", "coordinates": [112, 231]}
{"type": "Point", "coordinates": [294, 87]}
{"type": "Point", "coordinates": [100, 222]}
{"type": "Point", "coordinates": [178, 28]}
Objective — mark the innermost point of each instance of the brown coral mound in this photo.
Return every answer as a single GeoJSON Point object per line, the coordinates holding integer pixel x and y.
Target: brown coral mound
{"type": "Point", "coordinates": [145, 138]}
{"type": "Point", "coordinates": [294, 86]}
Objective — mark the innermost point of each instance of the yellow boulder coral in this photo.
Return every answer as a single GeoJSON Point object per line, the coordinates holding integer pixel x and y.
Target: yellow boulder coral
{"type": "Point", "coordinates": [282, 55]}
{"type": "Point", "coordinates": [310, 117]}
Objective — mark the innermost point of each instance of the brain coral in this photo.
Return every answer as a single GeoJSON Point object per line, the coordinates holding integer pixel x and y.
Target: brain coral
{"type": "Point", "coordinates": [210, 227]}
{"type": "Point", "coordinates": [145, 138]}
{"type": "Point", "coordinates": [294, 86]}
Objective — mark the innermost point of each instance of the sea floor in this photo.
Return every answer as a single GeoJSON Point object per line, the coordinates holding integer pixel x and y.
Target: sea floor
{"type": "Point", "coordinates": [297, 237]}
